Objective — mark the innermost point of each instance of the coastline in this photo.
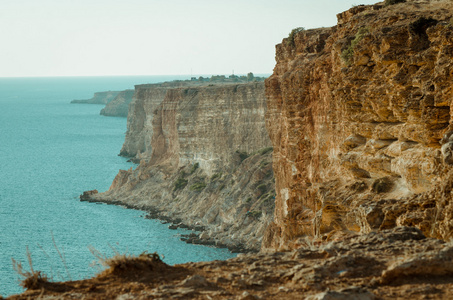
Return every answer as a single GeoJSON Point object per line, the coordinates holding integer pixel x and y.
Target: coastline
{"type": "Point", "coordinates": [175, 222]}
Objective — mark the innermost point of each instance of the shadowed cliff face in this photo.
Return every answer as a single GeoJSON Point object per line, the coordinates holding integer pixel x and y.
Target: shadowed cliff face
{"type": "Point", "coordinates": [118, 107]}
{"type": "Point", "coordinates": [205, 160]}
{"type": "Point", "coordinates": [356, 114]}
{"type": "Point", "coordinates": [139, 122]}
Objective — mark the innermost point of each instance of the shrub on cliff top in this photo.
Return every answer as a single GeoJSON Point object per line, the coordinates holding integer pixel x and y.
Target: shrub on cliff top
{"type": "Point", "coordinates": [348, 53]}
{"type": "Point", "coordinates": [290, 40]}
{"type": "Point", "coordinates": [392, 2]}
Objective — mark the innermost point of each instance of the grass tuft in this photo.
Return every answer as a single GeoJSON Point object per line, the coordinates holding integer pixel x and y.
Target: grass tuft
{"type": "Point", "coordinates": [32, 280]}
{"type": "Point", "coordinates": [127, 263]}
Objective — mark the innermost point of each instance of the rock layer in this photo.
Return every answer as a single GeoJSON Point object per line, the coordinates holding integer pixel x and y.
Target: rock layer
{"type": "Point", "coordinates": [356, 114]}
{"type": "Point", "coordinates": [205, 159]}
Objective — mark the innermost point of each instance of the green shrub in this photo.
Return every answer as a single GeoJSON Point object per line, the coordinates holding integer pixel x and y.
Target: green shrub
{"type": "Point", "coordinates": [216, 176]}
{"type": "Point", "coordinates": [392, 2]}
{"type": "Point", "coordinates": [242, 155]}
{"type": "Point", "coordinates": [194, 168]}
{"type": "Point", "coordinates": [348, 53]}
{"type": "Point", "coordinates": [198, 186]}
{"type": "Point", "coordinates": [180, 183]}
{"type": "Point", "coordinates": [291, 36]}
{"type": "Point", "coordinates": [254, 214]}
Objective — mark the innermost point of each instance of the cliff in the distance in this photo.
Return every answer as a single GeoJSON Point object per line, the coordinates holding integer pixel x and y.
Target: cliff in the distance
{"type": "Point", "coordinates": [98, 98]}
{"type": "Point", "coordinates": [205, 160]}
{"type": "Point", "coordinates": [119, 106]}
{"type": "Point", "coordinates": [356, 115]}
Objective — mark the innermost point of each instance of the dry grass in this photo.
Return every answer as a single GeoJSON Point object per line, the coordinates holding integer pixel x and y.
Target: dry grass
{"type": "Point", "coordinates": [32, 279]}
{"type": "Point", "coordinates": [122, 264]}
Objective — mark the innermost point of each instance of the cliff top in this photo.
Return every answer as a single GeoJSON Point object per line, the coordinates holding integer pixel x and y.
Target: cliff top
{"type": "Point", "coordinates": [207, 81]}
{"type": "Point", "coordinates": [394, 264]}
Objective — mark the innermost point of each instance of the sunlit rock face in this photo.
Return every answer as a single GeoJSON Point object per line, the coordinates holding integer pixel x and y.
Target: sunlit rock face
{"type": "Point", "coordinates": [356, 115]}
{"type": "Point", "coordinates": [205, 160]}
{"type": "Point", "coordinates": [209, 125]}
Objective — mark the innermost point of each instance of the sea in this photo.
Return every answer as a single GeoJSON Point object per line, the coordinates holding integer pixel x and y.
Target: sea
{"type": "Point", "coordinates": [50, 152]}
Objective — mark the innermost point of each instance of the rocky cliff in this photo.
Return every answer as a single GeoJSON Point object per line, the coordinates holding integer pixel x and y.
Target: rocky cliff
{"type": "Point", "coordinates": [359, 118]}
{"type": "Point", "coordinates": [205, 160]}
{"type": "Point", "coordinates": [99, 98]}
{"type": "Point", "coordinates": [119, 106]}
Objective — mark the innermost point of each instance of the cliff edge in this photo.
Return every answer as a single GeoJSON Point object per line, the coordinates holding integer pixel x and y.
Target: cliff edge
{"type": "Point", "coordinates": [360, 121]}
{"type": "Point", "coordinates": [205, 161]}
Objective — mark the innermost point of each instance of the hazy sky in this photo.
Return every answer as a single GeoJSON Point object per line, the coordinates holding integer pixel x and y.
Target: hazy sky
{"type": "Point", "coordinates": [151, 37]}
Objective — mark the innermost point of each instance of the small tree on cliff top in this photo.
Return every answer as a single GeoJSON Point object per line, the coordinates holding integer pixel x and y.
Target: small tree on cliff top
{"type": "Point", "coordinates": [290, 40]}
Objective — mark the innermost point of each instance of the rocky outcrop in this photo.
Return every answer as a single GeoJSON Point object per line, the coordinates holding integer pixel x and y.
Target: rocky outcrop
{"type": "Point", "coordinates": [205, 160]}
{"type": "Point", "coordinates": [393, 264]}
{"type": "Point", "coordinates": [356, 114]}
{"type": "Point", "coordinates": [118, 107]}
{"type": "Point", "coordinates": [99, 98]}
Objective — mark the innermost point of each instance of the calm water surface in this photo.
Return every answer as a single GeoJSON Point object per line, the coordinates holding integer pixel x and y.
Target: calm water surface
{"type": "Point", "coordinates": [51, 151]}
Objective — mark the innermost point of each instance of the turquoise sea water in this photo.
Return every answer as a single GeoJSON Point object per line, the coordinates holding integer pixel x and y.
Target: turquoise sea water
{"type": "Point", "coordinates": [51, 151]}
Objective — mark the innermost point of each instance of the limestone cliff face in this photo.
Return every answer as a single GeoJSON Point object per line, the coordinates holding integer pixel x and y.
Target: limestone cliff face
{"type": "Point", "coordinates": [356, 114]}
{"type": "Point", "coordinates": [139, 122]}
{"type": "Point", "coordinates": [99, 98]}
{"type": "Point", "coordinates": [146, 99]}
{"type": "Point", "coordinates": [118, 107]}
{"type": "Point", "coordinates": [205, 160]}
{"type": "Point", "coordinates": [208, 125]}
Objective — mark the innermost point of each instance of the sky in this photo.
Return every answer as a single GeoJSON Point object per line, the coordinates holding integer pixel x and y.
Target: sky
{"type": "Point", "coordinates": [152, 37]}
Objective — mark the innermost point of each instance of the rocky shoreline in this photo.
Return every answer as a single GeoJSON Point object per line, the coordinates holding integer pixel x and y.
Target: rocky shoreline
{"type": "Point", "coordinates": [196, 237]}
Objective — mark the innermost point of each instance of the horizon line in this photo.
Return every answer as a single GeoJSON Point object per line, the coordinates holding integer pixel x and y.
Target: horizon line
{"type": "Point", "coordinates": [189, 75]}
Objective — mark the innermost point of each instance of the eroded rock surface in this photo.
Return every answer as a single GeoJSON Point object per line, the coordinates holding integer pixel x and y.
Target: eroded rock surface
{"type": "Point", "coordinates": [393, 264]}
{"type": "Point", "coordinates": [356, 115]}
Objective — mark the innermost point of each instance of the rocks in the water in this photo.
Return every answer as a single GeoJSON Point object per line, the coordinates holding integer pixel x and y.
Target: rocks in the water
{"type": "Point", "coordinates": [87, 195]}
